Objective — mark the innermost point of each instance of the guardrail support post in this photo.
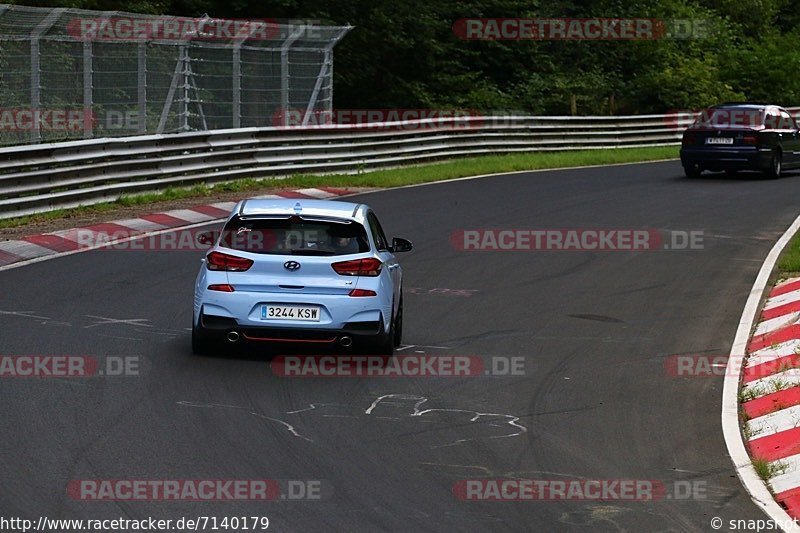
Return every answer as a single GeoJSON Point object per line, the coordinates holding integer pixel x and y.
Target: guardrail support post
{"type": "Point", "coordinates": [325, 72]}
{"type": "Point", "coordinates": [88, 115]}
{"type": "Point", "coordinates": [184, 122]}
{"type": "Point", "coordinates": [141, 96]}
{"type": "Point", "coordinates": [36, 71]}
{"type": "Point", "coordinates": [285, 71]}
{"type": "Point", "coordinates": [236, 88]}
{"type": "Point", "coordinates": [36, 100]}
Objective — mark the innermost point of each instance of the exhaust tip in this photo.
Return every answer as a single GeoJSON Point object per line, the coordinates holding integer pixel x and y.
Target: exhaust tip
{"type": "Point", "coordinates": [233, 336]}
{"type": "Point", "coordinates": [346, 341]}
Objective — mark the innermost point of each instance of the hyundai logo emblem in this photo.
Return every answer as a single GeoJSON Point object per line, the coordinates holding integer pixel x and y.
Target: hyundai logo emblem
{"type": "Point", "coordinates": [291, 265]}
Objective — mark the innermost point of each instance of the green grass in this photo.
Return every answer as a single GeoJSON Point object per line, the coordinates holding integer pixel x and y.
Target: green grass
{"type": "Point", "coordinates": [789, 262]}
{"type": "Point", "coordinates": [409, 175]}
{"type": "Point", "coordinates": [767, 470]}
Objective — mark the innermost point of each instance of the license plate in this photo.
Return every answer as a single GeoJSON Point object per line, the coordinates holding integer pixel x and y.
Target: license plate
{"type": "Point", "coordinates": [290, 312]}
{"type": "Point", "coordinates": [719, 140]}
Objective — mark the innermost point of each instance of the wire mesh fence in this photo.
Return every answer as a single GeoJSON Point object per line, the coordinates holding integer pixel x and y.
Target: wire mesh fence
{"type": "Point", "coordinates": [73, 74]}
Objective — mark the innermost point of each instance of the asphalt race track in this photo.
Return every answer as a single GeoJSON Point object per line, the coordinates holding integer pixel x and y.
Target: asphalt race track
{"type": "Point", "coordinates": [595, 400]}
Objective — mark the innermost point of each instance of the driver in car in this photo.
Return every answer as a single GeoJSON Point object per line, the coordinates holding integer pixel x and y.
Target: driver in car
{"type": "Point", "coordinates": [345, 245]}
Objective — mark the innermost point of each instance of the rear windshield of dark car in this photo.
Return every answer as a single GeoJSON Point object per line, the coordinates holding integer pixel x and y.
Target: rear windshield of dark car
{"type": "Point", "coordinates": [295, 236]}
{"type": "Point", "coordinates": [736, 117]}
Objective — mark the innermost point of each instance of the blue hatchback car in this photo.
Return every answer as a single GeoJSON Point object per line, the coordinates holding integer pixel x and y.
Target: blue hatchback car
{"type": "Point", "coordinates": [312, 271]}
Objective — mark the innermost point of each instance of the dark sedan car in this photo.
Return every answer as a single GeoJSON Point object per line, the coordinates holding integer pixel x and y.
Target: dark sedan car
{"type": "Point", "coordinates": [732, 137]}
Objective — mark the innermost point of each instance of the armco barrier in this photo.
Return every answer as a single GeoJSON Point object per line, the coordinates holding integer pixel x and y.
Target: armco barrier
{"type": "Point", "coordinates": [37, 178]}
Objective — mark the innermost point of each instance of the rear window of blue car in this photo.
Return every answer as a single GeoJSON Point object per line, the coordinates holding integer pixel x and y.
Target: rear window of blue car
{"type": "Point", "coordinates": [295, 236]}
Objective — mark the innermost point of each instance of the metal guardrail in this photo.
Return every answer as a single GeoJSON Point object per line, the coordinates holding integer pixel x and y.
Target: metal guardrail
{"type": "Point", "coordinates": [45, 177]}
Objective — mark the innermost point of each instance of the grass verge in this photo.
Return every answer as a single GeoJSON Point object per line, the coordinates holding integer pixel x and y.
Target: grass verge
{"type": "Point", "coordinates": [789, 262]}
{"type": "Point", "coordinates": [767, 470]}
{"type": "Point", "coordinates": [409, 175]}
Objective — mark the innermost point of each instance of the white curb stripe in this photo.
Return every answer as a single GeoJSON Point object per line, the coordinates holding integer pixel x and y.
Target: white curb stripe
{"type": "Point", "coordinates": [773, 423]}
{"type": "Point", "coordinates": [25, 249]}
{"type": "Point", "coordinates": [225, 206]}
{"type": "Point", "coordinates": [188, 215]}
{"type": "Point", "coordinates": [777, 323]}
{"type": "Point", "coordinates": [766, 385]}
{"type": "Point", "coordinates": [770, 353]}
{"type": "Point", "coordinates": [783, 299]}
{"type": "Point", "coordinates": [316, 193]}
{"type": "Point", "coordinates": [790, 478]}
{"type": "Point", "coordinates": [139, 224]}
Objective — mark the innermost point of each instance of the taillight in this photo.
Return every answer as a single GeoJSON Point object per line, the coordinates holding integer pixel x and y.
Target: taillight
{"type": "Point", "coordinates": [221, 287]}
{"type": "Point", "coordinates": [362, 292]}
{"type": "Point", "coordinates": [230, 263]}
{"type": "Point", "coordinates": [358, 267]}
{"type": "Point", "coordinates": [750, 139]}
{"type": "Point", "coordinates": [688, 139]}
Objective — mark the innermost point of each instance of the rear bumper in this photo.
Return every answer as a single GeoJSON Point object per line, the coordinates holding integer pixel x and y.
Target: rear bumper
{"type": "Point", "coordinates": [717, 158]}
{"type": "Point", "coordinates": [217, 328]}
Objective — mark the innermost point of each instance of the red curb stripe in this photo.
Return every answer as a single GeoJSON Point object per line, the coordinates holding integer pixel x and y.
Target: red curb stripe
{"type": "Point", "coordinates": [294, 194]}
{"type": "Point", "coordinates": [781, 310]}
{"type": "Point", "coordinates": [790, 499]}
{"type": "Point", "coordinates": [335, 190]}
{"type": "Point", "coordinates": [7, 258]}
{"type": "Point", "coordinates": [777, 446]}
{"type": "Point", "coordinates": [786, 287]}
{"type": "Point", "coordinates": [211, 211]}
{"type": "Point", "coordinates": [780, 364]}
{"type": "Point", "coordinates": [165, 220]}
{"type": "Point", "coordinates": [769, 403]}
{"type": "Point", "coordinates": [774, 337]}
{"type": "Point", "coordinates": [52, 242]}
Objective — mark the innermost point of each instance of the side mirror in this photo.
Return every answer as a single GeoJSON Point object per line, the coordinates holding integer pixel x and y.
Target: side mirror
{"type": "Point", "coordinates": [207, 237]}
{"type": "Point", "coordinates": [401, 245]}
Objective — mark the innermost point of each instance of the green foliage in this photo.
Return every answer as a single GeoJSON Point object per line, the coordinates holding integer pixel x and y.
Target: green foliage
{"type": "Point", "coordinates": [404, 54]}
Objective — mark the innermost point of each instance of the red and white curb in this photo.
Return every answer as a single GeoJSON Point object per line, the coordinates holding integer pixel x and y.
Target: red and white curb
{"type": "Point", "coordinates": [34, 248]}
{"type": "Point", "coordinates": [771, 388]}
{"type": "Point", "coordinates": [759, 383]}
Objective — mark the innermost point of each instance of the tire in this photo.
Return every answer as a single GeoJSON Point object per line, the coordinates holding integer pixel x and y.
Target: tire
{"type": "Point", "coordinates": [398, 324]}
{"type": "Point", "coordinates": [203, 346]}
{"type": "Point", "coordinates": [384, 344]}
{"type": "Point", "coordinates": [199, 345]}
{"type": "Point", "coordinates": [692, 171]}
{"type": "Point", "coordinates": [775, 166]}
